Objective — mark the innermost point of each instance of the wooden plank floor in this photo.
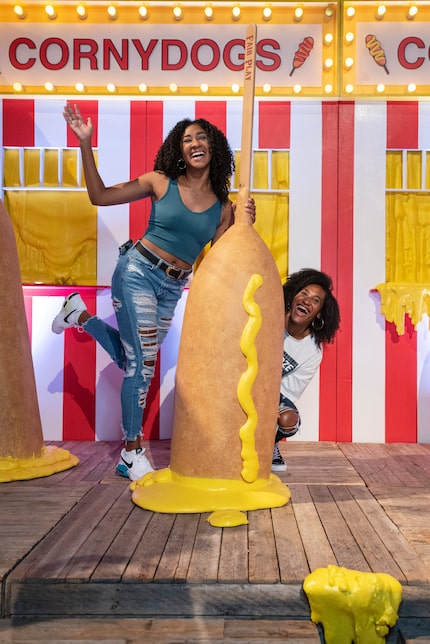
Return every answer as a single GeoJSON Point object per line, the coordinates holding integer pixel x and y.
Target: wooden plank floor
{"type": "Point", "coordinates": [74, 546]}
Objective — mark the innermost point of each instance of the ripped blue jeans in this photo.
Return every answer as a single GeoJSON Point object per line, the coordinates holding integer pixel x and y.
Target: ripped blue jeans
{"type": "Point", "coordinates": [144, 299]}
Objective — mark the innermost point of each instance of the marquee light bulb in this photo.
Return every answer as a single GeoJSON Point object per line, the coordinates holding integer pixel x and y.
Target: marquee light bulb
{"type": "Point", "coordinates": [49, 86]}
{"type": "Point", "coordinates": [267, 88]}
{"type": "Point", "coordinates": [412, 12]}
{"type": "Point", "coordinates": [350, 12]}
{"type": "Point", "coordinates": [143, 88]}
{"type": "Point", "coordinates": [235, 12]}
{"type": "Point", "coordinates": [349, 37]}
{"type": "Point", "coordinates": [297, 89]}
{"type": "Point", "coordinates": [81, 11]}
{"type": "Point", "coordinates": [173, 87]}
{"type": "Point", "coordinates": [112, 12]}
{"type": "Point", "coordinates": [50, 12]}
{"type": "Point", "coordinates": [328, 88]}
{"type": "Point", "coordinates": [412, 88]}
{"type": "Point", "coordinates": [177, 13]}
{"type": "Point", "coordinates": [380, 88]}
{"type": "Point", "coordinates": [209, 13]}
{"type": "Point", "coordinates": [380, 12]}
{"type": "Point", "coordinates": [328, 39]}
{"type": "Point", "coordinates": [349, 88]}
{"type": "Point", "coordinates": [235, 88]}
{"type": "Point", "coordinates": [17, 87]}
{"type": "Point", "coordinates": [111, 88]}
{"type": "Point", "coordinates": [19, 11]}
{"type": "Point", "coordinates": [298, 14]}
{"type": "Point", "coordinates": [349, 63]}
{"type": "Point", "coordinates": [267, 13]}
{"type": "Point", "coordinates": [143, 12]}
{"type": "Point", "coordinates": [80, 87]}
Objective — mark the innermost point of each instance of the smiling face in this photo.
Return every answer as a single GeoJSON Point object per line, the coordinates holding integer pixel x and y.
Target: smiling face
{"type": "Point", "coordinates": [305, 307]}
{"type": "Point", "coordinates": [195, 147]}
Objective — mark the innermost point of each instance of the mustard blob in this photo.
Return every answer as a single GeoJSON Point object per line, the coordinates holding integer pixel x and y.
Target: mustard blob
{"type": "Point", "coordinates": [353, 606]}
{"type": "Point", "coordinates": [51, 460]}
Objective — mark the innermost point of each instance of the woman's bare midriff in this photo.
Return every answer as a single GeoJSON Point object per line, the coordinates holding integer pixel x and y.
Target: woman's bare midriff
{"type": "Point", "coordinates": [170, 259]}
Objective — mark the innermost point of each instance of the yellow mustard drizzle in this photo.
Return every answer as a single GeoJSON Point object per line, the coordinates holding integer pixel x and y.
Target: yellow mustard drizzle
{"type": "Point", "coordinates": [247, 345]}
{"type": "Point", "coordinates": [353, 606]}
{"type": "Point", "coordinates": [398, 299]}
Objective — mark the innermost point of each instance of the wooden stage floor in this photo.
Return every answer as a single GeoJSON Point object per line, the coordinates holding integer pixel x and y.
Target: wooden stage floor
{"type": "Point", "coordinates": [73, 545]}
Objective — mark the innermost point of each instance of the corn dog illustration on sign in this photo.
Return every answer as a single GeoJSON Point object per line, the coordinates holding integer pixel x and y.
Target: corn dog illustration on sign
{"type": "Point", "coordinates": [228, 372]}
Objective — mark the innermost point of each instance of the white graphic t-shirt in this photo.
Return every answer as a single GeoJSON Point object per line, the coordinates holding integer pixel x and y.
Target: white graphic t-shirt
{"type": "Point", "coordinates": [301, 361]}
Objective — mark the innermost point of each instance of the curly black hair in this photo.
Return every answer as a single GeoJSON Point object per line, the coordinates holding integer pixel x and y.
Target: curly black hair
{"type": "Point", "coordinates": [330, 309]}
{"type": "Point", "coordinates": [222, 162]}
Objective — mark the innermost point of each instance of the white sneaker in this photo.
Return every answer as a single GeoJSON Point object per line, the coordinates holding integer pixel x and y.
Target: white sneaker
{"type": "Point", "coordinates": [133, 464]}
{"type": "Point", "coordinates": [68, 317]}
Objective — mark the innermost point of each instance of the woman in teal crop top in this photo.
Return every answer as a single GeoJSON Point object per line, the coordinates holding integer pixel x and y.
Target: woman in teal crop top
{"type": "Point", "coordinates": [189, 189]}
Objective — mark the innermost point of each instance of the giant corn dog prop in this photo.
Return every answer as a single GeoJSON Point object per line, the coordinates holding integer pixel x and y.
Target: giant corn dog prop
{"type": "Point", "coordinates": [228, 372]}
{"type": "Point", "coordinates": [22, 453]}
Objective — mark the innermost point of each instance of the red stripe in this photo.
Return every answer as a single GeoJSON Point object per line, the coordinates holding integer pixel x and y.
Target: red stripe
{"type": "Point", "coordinates": [79, 382]}
{"type": "Point", "coordinates": [18, 122]}
{"type": "Point", "coordinates": [401, 351]}
{"type": "Point", "coordinates": [401, 384]}
{"type": "Point", "coordinates": [89, 108]}
{"type": "Point", "coordinates": [274, 124]}
{"type": "Point", "coordinates": [146, 136]}
{"type": "Point", "coordinates": [213, 111]}
{"type": "Point", "coordinates": [345, 248]}
{"type": "Point", "coordinates": [329, 241]}
{"type": "Point", "coordinates": [402, 125]}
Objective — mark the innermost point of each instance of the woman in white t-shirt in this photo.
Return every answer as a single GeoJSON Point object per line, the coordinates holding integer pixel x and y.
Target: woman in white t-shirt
{"type": "Point", "coordinates": [311, 320]}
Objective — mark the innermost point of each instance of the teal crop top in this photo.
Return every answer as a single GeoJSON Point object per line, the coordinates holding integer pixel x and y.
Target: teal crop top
{"type": "Point", "coordinates": [177, 229]}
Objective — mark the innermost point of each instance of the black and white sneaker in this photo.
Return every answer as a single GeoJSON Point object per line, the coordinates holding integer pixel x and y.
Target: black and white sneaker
{"type": "Point", "coordinates": [68, 317]}
{"type": "Point", "coordinates": [278, 463]}
{"type": "Point", "coordinates": [133, 464]}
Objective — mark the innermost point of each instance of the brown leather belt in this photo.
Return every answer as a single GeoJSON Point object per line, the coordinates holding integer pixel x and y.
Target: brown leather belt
{"type": "Point", "coordinates": [171, 271]}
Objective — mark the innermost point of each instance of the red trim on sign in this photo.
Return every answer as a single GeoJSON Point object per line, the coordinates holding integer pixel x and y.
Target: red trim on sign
{"type": "Point", "coordinates": [329, 241]}
{"type": "Point", "coordinates": [345, 250]}
{"type": "Point", "coordinates": [402, 125]}
{"type": "Point", "coordinates": [274, 124]}
{"type": "Point", "coordinates": [18, 122]}
{"type": "Point", "coordinates": [401, 384]}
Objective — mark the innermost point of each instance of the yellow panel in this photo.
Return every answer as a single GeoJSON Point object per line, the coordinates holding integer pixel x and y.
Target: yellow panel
{"type": "Point", "coordinates": [394, 170]}
{"type": "Point", "coordinates": [427, 186]}
{"type": "Point", "coordinates": [280, 170]}
{"type": "Point", "coordinates": [408, 237]}
{"type": "Point", "coordinates": [50, 170]}
{"type": "Point", "coordinates": [260, 176]}
{"type": "Point", "coordinates": [413, 172]}
{"type": "Point", "coordinates": [70, 166]}
{"type": "Point", "coordinates": [11, 167]}
{"type": "Point", "coordinates": [31, 167]}
{"type": "Point", "coordinates": [56, 234]}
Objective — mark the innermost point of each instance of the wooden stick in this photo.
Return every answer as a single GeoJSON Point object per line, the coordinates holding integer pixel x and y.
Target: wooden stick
{"type": "Point", "coordinates": [247, 122]}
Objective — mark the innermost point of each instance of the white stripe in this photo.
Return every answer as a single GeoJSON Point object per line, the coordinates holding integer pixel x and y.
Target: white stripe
{"type": "Point", "coordinates": [168, 360]}
{"type": "Point", "coordinates": [423, 125]}
{"type": "Point", "coordinates": [50, 126]}
{"type": "Point", "coordinates": [423, 380]}
{"type": "Point", "coordinates": [108, 380]}
{"type": "Point", "coordinates": [48, 359]}
{"type": "Point", "coordinates": [176, 110]}
{"type": "Point", "coordinates": [234, 124]}
{"type": "Point", "coordinates": [368, 375]}
{"type": "Point", "coordinates": [304, 244]}
{"type": "Point", "coordinates": [113, 222]}
{"type": "Point", "coordinates": [304, 236]}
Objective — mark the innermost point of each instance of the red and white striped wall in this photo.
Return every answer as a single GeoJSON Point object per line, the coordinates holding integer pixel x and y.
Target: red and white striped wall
{"type": "Point", "coordinates": [373, 385]}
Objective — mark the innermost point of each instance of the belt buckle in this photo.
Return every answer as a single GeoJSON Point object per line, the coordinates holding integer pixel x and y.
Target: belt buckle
{"type": "Point", "coordinates": [176, 273]}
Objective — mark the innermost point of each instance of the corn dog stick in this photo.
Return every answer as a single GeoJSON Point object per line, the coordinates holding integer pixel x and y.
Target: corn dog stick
{"type": "Point", "coordinates": [247, 122]}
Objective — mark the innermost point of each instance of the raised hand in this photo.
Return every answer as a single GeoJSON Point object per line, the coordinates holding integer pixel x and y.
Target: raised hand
{"type": "Point", "coordinates": [73, 117]}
